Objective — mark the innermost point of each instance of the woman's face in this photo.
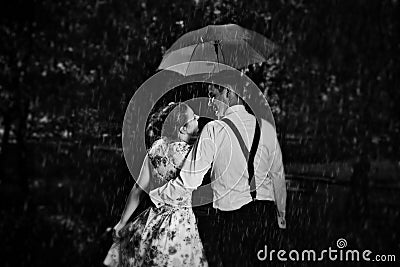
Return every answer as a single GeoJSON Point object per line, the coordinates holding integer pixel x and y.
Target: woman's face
{"type": "Point", "coordinates": [191, 127]}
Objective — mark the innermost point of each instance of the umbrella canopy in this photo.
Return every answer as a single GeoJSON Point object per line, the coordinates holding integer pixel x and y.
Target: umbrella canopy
{"type": "Point", "coordinates": [198, 68]}
{"type": "Point", "coordinates": [228, 44]}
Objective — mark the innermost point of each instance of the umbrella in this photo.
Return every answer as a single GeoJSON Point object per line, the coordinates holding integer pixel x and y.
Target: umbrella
{"type": "Point", "coordinates": [228, 44]}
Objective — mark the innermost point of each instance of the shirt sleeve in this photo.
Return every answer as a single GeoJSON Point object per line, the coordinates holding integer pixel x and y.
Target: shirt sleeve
{"type": "Point", "coordinates": [278, 180]}
{"type": "Point", "coordinates": [196, 165]}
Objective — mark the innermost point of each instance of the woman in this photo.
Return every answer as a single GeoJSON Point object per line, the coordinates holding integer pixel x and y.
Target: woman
{"type": "Point", "coordinates": [165, 236]}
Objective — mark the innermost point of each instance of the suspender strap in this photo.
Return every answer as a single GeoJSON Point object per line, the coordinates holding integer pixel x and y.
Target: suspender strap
{"type": "Point", "coordinates": [248, 155]}
{"type": "Point", "coordinates": [238, 136]}
{"type": "Point", "coordinates": [250, 163]}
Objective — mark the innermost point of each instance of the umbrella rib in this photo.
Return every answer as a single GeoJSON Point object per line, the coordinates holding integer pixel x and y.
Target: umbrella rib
{"type": "Point", "coordinates": [191, 56]}
{"type": "Point", "coordinates": [208, 27]}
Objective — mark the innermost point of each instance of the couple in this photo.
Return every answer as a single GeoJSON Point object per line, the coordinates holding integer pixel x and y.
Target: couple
{"type": "Point", "coordinates": [236, 148]}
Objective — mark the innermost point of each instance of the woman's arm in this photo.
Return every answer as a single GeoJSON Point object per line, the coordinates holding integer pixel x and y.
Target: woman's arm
{"type": "Point", "coordinates": [134, 196]}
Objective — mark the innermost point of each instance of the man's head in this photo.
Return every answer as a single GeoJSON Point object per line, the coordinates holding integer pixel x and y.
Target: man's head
{"type": "Point", "coordinates": [225, 89]}
{"type": "Point", "coordinates": [220, 98]}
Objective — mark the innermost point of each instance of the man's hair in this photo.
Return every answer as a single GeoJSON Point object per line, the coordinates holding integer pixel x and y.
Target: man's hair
{"type": "Point", "coordinates": [221, 88]}
{"type": "Point", "coordinates": [229, 79]}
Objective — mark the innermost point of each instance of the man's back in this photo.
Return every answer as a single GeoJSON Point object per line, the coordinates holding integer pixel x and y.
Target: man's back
{"type": "Point", "coordinates": [229, 174]}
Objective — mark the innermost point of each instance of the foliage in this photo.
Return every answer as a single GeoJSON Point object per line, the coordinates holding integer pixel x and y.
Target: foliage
{"type": "Point", "coordinates": [334, 80]}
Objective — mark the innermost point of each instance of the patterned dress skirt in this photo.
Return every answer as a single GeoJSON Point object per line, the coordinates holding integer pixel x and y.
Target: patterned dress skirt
{"type": "Point", "coordinates": [164, 236]}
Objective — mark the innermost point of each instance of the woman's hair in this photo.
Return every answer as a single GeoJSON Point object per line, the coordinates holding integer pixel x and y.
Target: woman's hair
{"type": "Point", "coordinates": [175, 119]}
{"type": "Point", "coordinates": [167, 121]}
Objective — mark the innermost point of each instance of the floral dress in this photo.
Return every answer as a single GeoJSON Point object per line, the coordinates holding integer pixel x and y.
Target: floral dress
{"type": "Point", "coordinates": [164, 236]}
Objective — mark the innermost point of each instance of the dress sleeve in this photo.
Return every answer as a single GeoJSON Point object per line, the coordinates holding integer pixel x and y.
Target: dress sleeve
{"type": "Point", "coordinates": [160, 157]}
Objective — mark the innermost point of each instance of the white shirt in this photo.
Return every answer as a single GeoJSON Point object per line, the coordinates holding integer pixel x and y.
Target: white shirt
{"type": "Point", "coordinates": [219, 148]}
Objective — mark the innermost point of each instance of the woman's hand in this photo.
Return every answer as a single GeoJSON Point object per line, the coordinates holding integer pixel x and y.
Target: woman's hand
{"type": "Point", "coordinates": [118, 228]}
{"type": "Point", "coordinates": [281, 220]}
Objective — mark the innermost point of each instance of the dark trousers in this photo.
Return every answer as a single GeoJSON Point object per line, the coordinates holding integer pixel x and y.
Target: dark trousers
{"type": "Point", "coordinates": [243, 232]}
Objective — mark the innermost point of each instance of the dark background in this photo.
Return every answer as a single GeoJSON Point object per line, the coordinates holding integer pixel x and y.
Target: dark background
{"type": "Point", "coordinates": [69, 68]}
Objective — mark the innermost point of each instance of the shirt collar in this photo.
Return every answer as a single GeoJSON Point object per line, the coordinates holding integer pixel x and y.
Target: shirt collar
{"type": "Point", "coordinates": [235, 108]}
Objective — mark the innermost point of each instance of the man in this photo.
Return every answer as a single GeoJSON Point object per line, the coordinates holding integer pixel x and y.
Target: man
{"type": "Point", "coordinates": [246, 220]}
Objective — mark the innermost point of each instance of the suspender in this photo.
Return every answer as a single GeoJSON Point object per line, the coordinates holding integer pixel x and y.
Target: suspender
{"type": "Point", "coordinates": [249, 156]}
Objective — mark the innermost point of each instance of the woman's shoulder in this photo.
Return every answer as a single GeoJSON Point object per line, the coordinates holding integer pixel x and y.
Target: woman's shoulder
{"type": "Point", "coordinates": [165, 147]}
{"type": "Point", "coordinates": [167, 157]}
{"type": "Point", "coordinates": [179, 147]}
{"type": "Point", "coordinates": [177, 153]}
{"type": "Point", "coordinates": [159, 148]}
